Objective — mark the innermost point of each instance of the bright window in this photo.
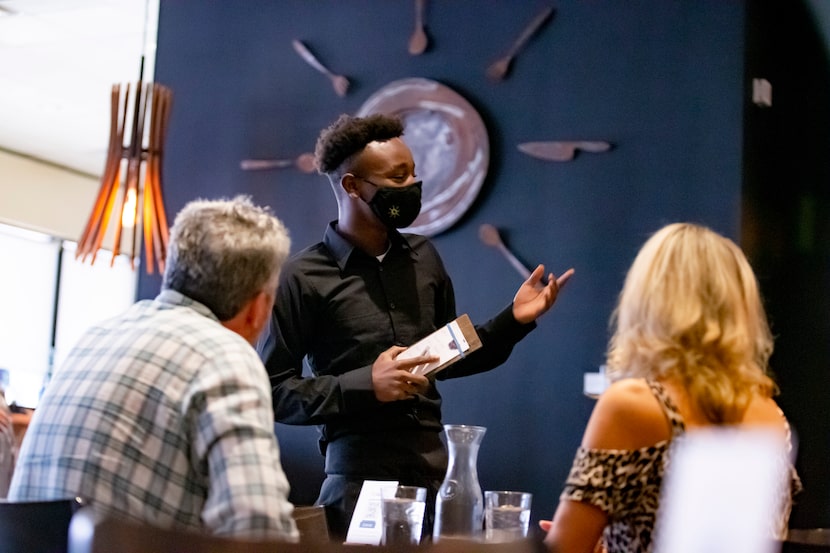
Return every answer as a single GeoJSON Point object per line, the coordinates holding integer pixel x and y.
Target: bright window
{"type": "Point", "coordinates": [47, 300]}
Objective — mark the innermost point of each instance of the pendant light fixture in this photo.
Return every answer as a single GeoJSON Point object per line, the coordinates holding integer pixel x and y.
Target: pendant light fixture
{"type": "Point", "coordinates": [131, 188]}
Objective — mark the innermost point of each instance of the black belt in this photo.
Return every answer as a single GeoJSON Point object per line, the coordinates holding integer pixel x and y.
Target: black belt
{"type": "Point", "coordinates": [388, 455]}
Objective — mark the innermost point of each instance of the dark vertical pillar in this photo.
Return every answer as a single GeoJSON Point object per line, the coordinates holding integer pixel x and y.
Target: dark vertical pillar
{"type": "Point", "coordinates": [786, 228]}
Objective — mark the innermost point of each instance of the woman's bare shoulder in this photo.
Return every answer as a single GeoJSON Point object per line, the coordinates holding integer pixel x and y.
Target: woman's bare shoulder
{"type": "Point", "coordinates": [627, 416]}
{"type": "Point", "coordinates": [765, 412]}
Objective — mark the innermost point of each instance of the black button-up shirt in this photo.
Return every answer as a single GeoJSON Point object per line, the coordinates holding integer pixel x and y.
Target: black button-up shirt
{"type": "Point", "coordinates": [339, 308]}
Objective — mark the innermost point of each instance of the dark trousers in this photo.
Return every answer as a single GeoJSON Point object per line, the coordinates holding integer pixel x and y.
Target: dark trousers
{"type": "Point", "coordinates": [413, 457]}
{"type": "Point", "coordinates": [339, 495]}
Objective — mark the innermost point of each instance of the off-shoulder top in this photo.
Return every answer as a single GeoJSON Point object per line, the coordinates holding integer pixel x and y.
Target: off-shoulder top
{"type": "Point", "coordinates": [625, 484]}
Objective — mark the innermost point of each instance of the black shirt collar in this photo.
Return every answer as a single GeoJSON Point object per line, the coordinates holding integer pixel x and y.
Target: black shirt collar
{"type": "Point", "coordinates": [341, 249]}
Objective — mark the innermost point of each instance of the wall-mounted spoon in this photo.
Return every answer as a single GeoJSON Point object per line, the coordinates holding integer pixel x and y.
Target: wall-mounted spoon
{"type": "Point", "coordinates": [418, 41]}
{"type": "Point", "coordinates": [490, 236]}
{"type": "Point", "coordinates": [562, 150]}
{"type": "Point", "coordinates": [303, 162]}
{"type": "Point", "coordinates": [339, 82]}
{"type": "Point", "coordinates": [499, 68]}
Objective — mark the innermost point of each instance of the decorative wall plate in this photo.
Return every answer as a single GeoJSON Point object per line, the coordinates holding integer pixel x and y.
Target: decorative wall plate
{"type": "Point", "coordinates": [449, 144]}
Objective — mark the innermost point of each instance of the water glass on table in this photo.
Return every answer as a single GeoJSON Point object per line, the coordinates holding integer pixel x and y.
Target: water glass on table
{"type": "Point", "coordinates": [402, 512]}
{"type": "Point", "coordinates": [506, 515]}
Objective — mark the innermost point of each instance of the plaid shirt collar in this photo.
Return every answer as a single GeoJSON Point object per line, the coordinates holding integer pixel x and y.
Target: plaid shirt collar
{"type": "Point", "coordinates": [173, 298]}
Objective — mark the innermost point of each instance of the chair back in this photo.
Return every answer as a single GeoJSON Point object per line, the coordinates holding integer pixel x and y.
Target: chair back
{"type": "Point", "coordinates": [311, 523]}
{"type": "Point", "coordinates": [90, 532]}
{"type": "Point", "coordinates": [36, 526]}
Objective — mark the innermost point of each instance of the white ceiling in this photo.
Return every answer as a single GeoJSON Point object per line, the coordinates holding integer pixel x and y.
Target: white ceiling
{"type": "Point", "coordinates": [58, 62]}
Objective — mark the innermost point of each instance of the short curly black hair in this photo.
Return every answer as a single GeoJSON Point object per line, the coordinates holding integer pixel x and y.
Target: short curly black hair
{"type": "Point", "coordinates": [349, 135]}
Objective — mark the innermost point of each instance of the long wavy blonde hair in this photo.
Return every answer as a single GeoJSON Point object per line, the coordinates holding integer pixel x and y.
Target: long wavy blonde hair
{"type": "Point", "coordinates": [690, 311]}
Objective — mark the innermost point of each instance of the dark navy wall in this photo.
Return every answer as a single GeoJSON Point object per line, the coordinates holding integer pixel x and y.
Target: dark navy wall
{"type": "Point", "coordinates": [662, 80]}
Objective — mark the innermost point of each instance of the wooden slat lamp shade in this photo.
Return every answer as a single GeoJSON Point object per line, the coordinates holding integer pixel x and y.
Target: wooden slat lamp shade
{"type": "Point", "coordinates": [132, 177]}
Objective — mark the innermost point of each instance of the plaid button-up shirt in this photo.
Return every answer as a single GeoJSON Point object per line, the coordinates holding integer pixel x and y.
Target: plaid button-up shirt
{"type": "Point", "coordinates": [164, 416]}
{"type": "Point", "coordinates": [7, 445]}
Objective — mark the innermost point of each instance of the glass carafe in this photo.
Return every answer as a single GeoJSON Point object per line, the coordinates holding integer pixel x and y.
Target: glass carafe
{"type": "Point", "coordinates": [459, 505]}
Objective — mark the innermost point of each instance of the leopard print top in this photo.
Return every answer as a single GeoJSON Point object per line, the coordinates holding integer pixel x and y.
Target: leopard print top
{"type": "Point", "coordinates": [625, 484]}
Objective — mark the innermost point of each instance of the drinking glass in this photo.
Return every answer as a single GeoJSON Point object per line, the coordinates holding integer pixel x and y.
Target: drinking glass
{"type": "Point", "coordinates": [402, 512]}
{"type": "Point", "coordinates": [506, 515]}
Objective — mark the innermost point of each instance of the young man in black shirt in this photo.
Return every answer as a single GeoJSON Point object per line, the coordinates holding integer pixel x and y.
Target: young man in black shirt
{"type": "Point", "coordinates": [350, 304]}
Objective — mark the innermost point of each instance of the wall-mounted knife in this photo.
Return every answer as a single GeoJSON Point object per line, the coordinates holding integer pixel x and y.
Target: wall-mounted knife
{"type": "Point", "coordinates": [562, 150]}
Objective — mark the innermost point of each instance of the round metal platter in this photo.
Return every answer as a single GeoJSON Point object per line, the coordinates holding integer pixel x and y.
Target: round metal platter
{"type": "Point", "coordinates": [449, 144]}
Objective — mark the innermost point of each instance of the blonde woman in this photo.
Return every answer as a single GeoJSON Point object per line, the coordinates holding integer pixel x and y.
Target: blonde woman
{"type": "Point", "coordinates": [689, 349]}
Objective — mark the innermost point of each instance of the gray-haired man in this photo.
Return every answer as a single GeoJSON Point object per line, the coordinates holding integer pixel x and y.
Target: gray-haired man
{"type": "Point", "coordinates": [163, 414]}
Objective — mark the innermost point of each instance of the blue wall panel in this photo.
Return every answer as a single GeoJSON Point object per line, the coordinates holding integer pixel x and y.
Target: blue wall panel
{"type": "Point", "coordinates": [662, 80]}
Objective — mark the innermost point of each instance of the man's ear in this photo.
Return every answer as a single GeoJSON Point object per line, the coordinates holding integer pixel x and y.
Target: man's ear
{"type": "Point", "coordinates": [251, 319]}
{"type": "Point", "coordinates": [349, 183]}
{"type": "Point", "coordinates": [261, 307]}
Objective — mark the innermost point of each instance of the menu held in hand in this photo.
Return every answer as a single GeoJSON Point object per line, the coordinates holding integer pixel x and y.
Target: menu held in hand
{"type": "Point", "coordinates": [450, 343]}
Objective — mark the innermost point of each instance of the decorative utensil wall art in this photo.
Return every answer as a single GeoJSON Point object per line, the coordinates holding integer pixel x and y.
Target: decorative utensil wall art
{"type": "Point", "coordinates": [449, 143]}
{"type": "Point", "coordinates": [498, 69]}
{"type": "Point", "coordinates": [303, 162]}
{"type": "Point", "coordinates": [338, 82]}
{"type": "Point", "coordinates": [562, 150]}
{"type": "Point", "coordinates": [447, 137]}
{"type": "Point", "coordinates": [489, 235]}
{"type": "Point", "coordinates": [418, 41]}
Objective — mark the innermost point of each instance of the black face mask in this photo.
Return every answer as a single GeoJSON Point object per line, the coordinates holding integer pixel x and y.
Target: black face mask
{"type": "Point", "coordinates": [397, 207]}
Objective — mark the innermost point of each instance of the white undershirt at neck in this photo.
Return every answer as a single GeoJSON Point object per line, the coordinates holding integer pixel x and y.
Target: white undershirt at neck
{"type": "Point", "coordinates": [381, 256]}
